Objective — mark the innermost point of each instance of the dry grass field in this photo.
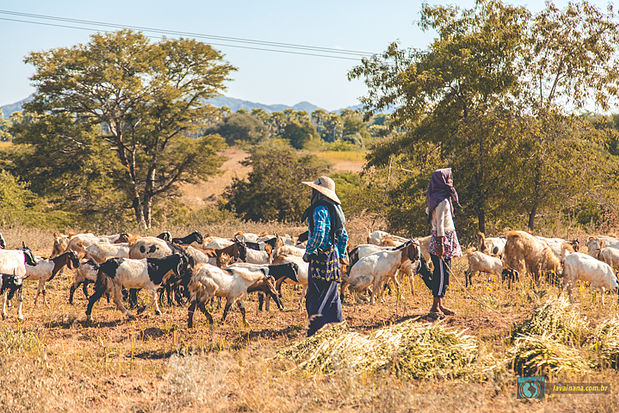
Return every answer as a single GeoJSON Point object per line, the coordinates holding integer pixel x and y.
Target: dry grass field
{"type": "Point", "coordinates": [55, 361]}
{"type": "Point", "coordinates": [200, 194]}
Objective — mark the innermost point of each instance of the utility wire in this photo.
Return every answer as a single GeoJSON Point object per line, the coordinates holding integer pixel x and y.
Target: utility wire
{"type": "Point", "coordinates": [189, 34]}
{"type": "Point", "coordinates": [211, 43]}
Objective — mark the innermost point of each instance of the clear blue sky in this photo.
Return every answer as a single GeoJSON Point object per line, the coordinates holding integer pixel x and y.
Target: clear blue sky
{"type": "Point", "coordinates": [264, 77]}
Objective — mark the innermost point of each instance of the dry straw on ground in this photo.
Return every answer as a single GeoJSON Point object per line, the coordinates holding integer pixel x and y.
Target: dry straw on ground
{"type": "Point", "coordinates": [410, 349]}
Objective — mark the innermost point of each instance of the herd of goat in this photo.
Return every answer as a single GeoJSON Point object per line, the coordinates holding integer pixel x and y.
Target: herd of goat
{"type": "Point", "coordinates": [197, 269]}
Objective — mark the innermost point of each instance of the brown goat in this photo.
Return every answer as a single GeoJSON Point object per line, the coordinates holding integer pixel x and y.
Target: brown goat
{"type": "Point", "coordinates": [525, 253]}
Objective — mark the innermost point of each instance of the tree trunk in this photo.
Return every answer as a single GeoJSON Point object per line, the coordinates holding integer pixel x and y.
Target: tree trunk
{"type": "Point", "coordinates": [139, 213]}
{"type": "Point", "coordinates": [148, 208]}
{"type": "Point", "coordinates": [532, 216]}
{"type": "Point", "coordinates": [481, 220]}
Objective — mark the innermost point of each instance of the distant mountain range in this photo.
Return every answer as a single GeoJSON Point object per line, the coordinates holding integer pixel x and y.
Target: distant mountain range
{"type": "Point", "coordinates": [233, 103]}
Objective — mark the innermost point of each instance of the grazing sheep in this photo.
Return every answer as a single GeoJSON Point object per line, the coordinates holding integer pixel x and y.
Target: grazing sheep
{"type": "Point", "coordinates": [525, 253]}
{"type": "Point", "coordinates": [147, 273]}
{"type": "Point", "coordinates": [13, 267]}
{"type": "Point", "coordinates": [480, 262]}
{"type": "Point", "coordinates": [46, 269]}
{"type": "Point", "coordinates": [578, 266]}
{"type": "Point", "coordinates": [378, 268]}
{"type": "Point", "coordinates": [209, 281]}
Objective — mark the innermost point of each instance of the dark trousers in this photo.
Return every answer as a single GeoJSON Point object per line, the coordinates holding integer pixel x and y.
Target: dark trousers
{"type": "Point", "coordinates": [438, 280]}
{"type": "Point", "coordinates": [322, 303]}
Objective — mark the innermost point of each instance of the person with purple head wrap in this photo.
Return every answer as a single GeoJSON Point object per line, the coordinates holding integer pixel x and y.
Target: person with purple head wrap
{"type": "Point", "coordinates": [444, 243]}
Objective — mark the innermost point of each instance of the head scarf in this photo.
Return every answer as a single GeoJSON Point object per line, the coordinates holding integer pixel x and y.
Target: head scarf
{"type": "Point", "coordinates": [440, 189]}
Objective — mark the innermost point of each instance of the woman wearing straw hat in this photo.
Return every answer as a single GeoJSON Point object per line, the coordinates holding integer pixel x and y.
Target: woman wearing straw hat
{"type": "Point", "coordinates": [326, 247]}
{"type": "Point", "coordinates": [444, 243]}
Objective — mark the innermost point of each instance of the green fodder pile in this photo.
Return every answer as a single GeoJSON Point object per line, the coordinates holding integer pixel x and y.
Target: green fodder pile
{"type": "Point", "coordinates": [555, 317]}
{"type": "Point", "coordinates": [606, 343]}
{"type": "Point", "coordinates": [543, 355]}
{"type": "Point", "coordinates": [409, 350]}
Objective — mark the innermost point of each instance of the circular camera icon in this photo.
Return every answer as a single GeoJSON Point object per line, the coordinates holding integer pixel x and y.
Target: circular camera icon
{"type": "Point", "coordinates": [530, 389]}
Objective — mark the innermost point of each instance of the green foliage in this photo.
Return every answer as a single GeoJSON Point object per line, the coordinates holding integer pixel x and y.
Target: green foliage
{"type": "Point", "coordinates": [241, 128]}
{"type": "Point", "coordinates": [358, 194]}
{"type": "Point", "coordinates": [299, 133]}
{"type": "Point", "coordinates": [5, 126]}
{"type": "Point", "coordinates": [142, 99]}
{"type": "Point", "coordinates": [19, 206]}
{"type": "Point", "coordinates": [471, 103]}
{"type": "Point", "coordinates": [273, 189]}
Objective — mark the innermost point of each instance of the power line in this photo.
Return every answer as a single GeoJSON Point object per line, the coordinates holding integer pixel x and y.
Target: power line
{"type": "Point", "coordinates": [211, 43]}
{"type": "Point", "coordinates": [341, 52]}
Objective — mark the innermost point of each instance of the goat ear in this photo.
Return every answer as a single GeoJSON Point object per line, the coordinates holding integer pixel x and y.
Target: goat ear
{"type": "Point", "coordinates": [23, 245]}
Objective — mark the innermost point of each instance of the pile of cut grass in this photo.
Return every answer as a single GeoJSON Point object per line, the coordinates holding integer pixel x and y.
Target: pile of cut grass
{"type": "Point", "coordinates": [410, 350]}
{"type": "Point", "coordinates": [606, 343]}
{"type": "Point", "coordinates": [556, 318]}
{"type": "Point", "coordinates": [542, 355]}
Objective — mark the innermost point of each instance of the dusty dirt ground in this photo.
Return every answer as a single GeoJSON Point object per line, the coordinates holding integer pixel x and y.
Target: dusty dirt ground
{"type": "Point", "coordinates": [55, 361]}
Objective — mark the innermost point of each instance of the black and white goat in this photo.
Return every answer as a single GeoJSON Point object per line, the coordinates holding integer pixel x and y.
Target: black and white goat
{"type": "Point", "coordinates": [148, 273]}
{"type": "Point", "coordinates": [189, 239]}
{"type": "Point", "coordinates": [13, 271]}
{"type": "Point", "coordinates": [209, 281]}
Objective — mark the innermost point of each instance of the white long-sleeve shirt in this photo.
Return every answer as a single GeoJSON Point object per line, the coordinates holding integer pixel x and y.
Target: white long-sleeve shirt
{"type": "Point", "coordinates": [442, 219]}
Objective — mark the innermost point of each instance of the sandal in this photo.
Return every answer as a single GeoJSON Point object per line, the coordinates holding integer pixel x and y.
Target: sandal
{"type": "Point", "coordinates": [435, 315]}
{"type": "Point", "coordinates": [447, 311]}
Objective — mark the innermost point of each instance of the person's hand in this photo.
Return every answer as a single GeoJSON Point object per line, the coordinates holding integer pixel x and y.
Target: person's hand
{"type": "Point", "coordinates": [344, 260]}
{"type": "Point", "coordinates": [306, 257]}
{"type": "Point", "coordinates": [439, 247]}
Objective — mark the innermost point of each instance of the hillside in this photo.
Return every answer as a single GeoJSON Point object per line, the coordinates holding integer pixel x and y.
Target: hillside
{"type": "Point", "coordinates": [233, 103]}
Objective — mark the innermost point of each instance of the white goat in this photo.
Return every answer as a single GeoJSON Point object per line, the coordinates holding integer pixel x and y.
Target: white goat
{"type": "Point", "coordinates": [216, 242]}
{"type": "Point", "coordinates": [209, 281]}
{"type": "Point", "coordinates": [377, 268]}
{"type": "Point", "coordinates": [578, 266]}
{"type": "Point", "coordinates": [13, 264]}
{"type": "Point", "coordinates": [46, 269]}
{"type": "Point", "coordinates": [101, 252]}
{"type": "Point", "coordinates": [494, 246]}
{"type": "Point", "coordinates": [594, 245]}
{"type": "Point", "coordinates": [480, 262]}
{"type": "Point", "coordinates": [609, 255]}
{"type": "Point", "coordinates": [149, 247]}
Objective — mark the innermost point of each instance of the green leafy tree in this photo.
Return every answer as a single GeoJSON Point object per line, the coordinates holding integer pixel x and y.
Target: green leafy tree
{"type": "Point", "coordinates": [299, 133]}
{"type": "Point", "coordinates": [240, 127]}
{"type": "Point", "coordinates": [452, 96]}
{"type": "Point", "coordinates": [147, 98]}
{"type": "Point", "coordinates": [273, 189]}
